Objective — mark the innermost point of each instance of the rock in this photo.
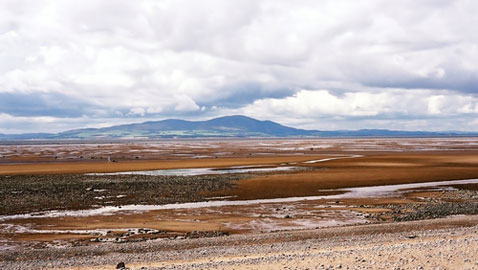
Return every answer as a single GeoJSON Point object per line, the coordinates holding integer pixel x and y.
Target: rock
{"type": "Point", "coordinates": [120, 265]}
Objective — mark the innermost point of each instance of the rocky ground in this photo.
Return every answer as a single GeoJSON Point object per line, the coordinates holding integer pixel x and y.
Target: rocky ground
{"type": "Point", "coordinates": [32, 193]}
{"type": "Point", "coordinates": [437, 205]}
{"type": "Point", "coordinates": [447, 243]}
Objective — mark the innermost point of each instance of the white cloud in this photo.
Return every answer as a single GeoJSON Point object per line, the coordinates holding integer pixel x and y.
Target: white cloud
{"type": "Point", "coordinates": [435, 104]}
{"type": "Point", "coordinates": [322, 102]}
{"type": "Point", "coordinates": [310, 109]}
{"type": "Point", "coordinates": [185, 103]}
{"type": "Point", "coordinates": [137, 111]}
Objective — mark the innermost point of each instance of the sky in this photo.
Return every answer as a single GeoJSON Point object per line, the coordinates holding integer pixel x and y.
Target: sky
{"type": "Point", "coordinates": [326, 65]}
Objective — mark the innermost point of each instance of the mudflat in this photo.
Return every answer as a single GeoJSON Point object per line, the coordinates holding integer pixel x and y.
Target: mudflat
{"type": "Point", "coordinates": [101, 196]}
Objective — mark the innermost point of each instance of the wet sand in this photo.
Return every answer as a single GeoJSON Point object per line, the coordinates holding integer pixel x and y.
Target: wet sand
{"type": "Point", "coordinates": [377, 169]}
{"type": "Point", "coordinates": [110, 167]}
{"type": "Point", "coordinates": [74, 151]}
{"type": "Point", "coordinates": [322, 179]}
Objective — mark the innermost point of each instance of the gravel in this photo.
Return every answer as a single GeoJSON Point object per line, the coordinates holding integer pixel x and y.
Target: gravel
{"type": "Point", "coordinates": [448, 243]}
{"type": "Point", "coordinates": [457, 202]}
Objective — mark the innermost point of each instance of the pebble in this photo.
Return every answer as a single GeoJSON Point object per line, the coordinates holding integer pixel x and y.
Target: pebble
{"type": "Point", "coordinates": [332, 248]}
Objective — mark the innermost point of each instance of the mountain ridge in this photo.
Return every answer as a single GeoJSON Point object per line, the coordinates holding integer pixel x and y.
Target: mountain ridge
{"type": "Point", "coordinates": [221, 127]}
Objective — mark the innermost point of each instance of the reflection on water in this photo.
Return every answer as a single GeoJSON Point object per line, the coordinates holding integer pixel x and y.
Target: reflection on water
{"type": "Point", "coordinates": [329, 159]}
{"type": "Point", "coordinates": [394, 190]}
{"type": "Point", "coordinates": [204, 171]}
{"type": "Point", "coordinates": [237, 169]}
{"type": "Point", "coordinates": [359, 192]}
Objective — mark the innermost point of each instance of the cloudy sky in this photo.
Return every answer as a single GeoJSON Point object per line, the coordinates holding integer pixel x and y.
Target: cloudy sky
{"type": "Point", "coordinates": [404, 65]}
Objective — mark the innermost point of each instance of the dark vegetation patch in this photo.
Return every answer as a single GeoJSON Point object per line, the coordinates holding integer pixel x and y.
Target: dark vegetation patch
{"type": "Point", "coordinates": [31, 193]}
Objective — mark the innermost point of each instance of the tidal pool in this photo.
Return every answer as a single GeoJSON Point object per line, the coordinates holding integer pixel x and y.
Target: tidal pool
{"type": "Point", "coordinates": [204, 171]}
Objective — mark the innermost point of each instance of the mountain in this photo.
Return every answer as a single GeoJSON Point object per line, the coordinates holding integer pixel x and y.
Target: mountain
{"type": "Point", "coordinates": [227, 126]}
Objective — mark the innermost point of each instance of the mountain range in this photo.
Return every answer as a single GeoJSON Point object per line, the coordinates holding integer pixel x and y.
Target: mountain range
{"type": "Point", "coordinates": [227, 126]}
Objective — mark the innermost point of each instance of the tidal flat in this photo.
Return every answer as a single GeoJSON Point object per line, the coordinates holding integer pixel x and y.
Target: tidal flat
{"type": "Point", "coordinates": [94, 196]}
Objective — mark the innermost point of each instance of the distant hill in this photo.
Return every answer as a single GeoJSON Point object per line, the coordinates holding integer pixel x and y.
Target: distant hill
{"type": "Point", "coordinates": [227, 126]}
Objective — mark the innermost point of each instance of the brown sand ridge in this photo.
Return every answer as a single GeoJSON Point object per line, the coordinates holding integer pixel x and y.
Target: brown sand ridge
{"type": "Point", "coordinates": [378, 169]}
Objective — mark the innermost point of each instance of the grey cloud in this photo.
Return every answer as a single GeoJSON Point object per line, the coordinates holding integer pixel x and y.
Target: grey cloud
{"type": "Point", "coordinates": [43, 104]}
{"type": "Point", "coordinates": [454, 78]}
{"type": "Point", "coordinates": [233, 96]}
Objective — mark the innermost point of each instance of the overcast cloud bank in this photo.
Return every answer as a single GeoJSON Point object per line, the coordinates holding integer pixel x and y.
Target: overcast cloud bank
{"type": "Point", "coordinates": [405, 65]}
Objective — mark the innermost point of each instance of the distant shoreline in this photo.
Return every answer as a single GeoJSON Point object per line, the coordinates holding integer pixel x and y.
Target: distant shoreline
{"type": "Point", "coordinates": [129, 140]}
